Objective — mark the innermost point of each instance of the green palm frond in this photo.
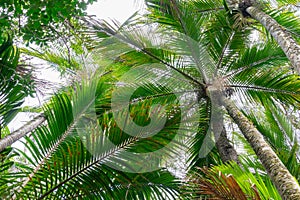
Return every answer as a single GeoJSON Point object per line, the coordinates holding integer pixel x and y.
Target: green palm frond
{"type": "Point", "coordinates": [261, 72]}
{"type": "Point", "coordinates": [269, 84]}
{"type": "Point", "coordinates": [188, 18]}
{"type": "Point", "coordinates": [257, 56]}
{"type": "Point", "coordinates": [208, 5]}
{"type": "Point", "coordinates": [15, 84]}
{"type": "Point", "coordinates": [163, 13]}
{"type": "Point", "coordinates": [70, 157]}
{"type": "Point", "coordinates": [285, 2]}
{"type": "Point", "coordinates": [130, 40]}
{"type": "Point", "coordinates": [223, 41]}
{"type": "Point", "coordinates": [61, 60]}
{"type": "Point", "coordinates": [243, 145]}
{"type": "Point", "coordinates": [6, 163]}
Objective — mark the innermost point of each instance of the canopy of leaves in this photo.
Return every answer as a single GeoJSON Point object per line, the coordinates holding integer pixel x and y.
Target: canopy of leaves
{"type": "Point", "coordinates": [39, 21]}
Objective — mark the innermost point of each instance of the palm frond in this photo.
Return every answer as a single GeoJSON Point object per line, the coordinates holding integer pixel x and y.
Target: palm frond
{"type": "Point", "coordinates": [259, 55]}
{"type": "Point", "coordinates": [14, 85]}
{"type": "Point", "coordinates": [269, 84]}
{"type": "Point", "coordinates": [131, 38]}
{"type": "Point", "coordinates": [58, 58]}
{"type": "Point", "coordinates": [261, 72]}
{"type": "Point", "coordinates": [230, 181]}
{"type": "Point", "coordinates": [70, 157]}
{"type": "Point", "coordinates": [6, 163]}
{"type": "Point", "coordinates": [289, 2]}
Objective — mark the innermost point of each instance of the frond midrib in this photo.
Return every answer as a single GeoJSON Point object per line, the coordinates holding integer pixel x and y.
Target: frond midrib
{"type": "Point", "coordinates": [55, 146]}
{"type": "Point", "coordinates": [265, 89]}
{"type": "Point", "coordinates": [107, 155]}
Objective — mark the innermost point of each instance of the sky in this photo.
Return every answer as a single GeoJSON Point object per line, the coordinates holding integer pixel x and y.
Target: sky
{"type": "Point", "coordinates": [119, 10]}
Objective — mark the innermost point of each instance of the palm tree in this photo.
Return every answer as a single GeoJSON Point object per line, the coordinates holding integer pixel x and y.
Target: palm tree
{"type": "Point", "coordinates": [173, 81]}
{"type": "Point", "coordinates": [273, 165]}
{"type": "Point", "coordinates": [182, 18]}
{"type": "Point", "coordinates": [232, 180]}
{"type": "Point", "coordinates": [62, 163]}
{"type": "Point", "coordinates": [284, 36]}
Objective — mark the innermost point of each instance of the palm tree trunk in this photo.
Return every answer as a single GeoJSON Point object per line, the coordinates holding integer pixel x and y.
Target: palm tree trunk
{"type": "Point", "coordinates": [285, 183]}
{"type": "Point", "coordinates": [16, 135]}
{"type": "Point", "coordinates": [285, 40]}
{"type": "Point", "coordinates": [225, 149]}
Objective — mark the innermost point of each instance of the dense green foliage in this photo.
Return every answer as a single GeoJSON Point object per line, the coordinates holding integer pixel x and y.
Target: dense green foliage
{"type": "Point", "coordinates": [40, 21]}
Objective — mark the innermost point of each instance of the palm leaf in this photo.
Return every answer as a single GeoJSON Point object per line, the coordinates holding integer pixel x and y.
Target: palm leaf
{"type": "Point", "coordinates": [230, 181]}
{"type": "Point", "coordinates": [14, 86]}
{"type": "Point", "coordinates": [67, 162]}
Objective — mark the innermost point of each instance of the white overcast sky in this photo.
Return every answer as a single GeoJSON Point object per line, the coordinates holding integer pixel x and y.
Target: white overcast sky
{"type": "Point", "coordinates": [119, 10]}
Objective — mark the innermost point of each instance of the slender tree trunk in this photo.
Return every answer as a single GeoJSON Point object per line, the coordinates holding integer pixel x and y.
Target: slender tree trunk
{"type": "Point", "coordinates": [286, 41]}
{"type": "Point", "coordinates": [284, 38]}
{"type": "Point", "coordinates": [285, 183]}
{"type": "Point", "coordinates": [226, 150]}
{"type": "Point", "coordinates": [18, 134]}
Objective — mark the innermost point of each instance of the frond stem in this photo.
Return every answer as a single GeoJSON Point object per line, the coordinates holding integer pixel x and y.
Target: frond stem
{"type": "Point", "coordinates": [261, 88]}
{"type": "Point", "coordinates": [229, 40]}
{"type": "Point", "coordinates": [125, 144]}
{"type": "Point", "coordinates": [205, 78]}
{"type": "Point", "coordinates": [55, 146]}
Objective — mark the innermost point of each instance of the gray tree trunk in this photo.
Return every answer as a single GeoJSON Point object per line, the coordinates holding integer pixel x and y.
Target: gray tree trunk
{"type": "Point", "coordinates": [226, 150]}
{"type": "Point", "coordinates": [18, 134]}
{"type": "Point", "coordinates": [285, 183]}
{"type": "Point", "coordinates": [284, 38]}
